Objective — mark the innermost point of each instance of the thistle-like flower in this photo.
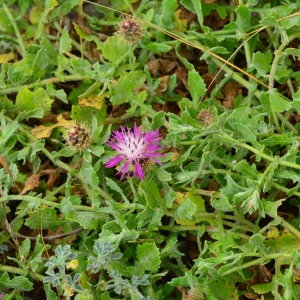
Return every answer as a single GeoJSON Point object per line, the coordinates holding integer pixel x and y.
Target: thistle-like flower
{"type": "Point", "coordinates": [77, 137]}
{"type": "Point", "coordinates": [134, 147]}
{"type": "Point", "coordinates": [130, 28]}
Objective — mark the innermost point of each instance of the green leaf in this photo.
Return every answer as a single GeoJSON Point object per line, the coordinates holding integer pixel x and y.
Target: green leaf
{"type": "Point", "coordinates": [88, 220]}
{"type": "Point", "coordinates": [263, 288]}
{"type": "Point", "coordinates": [195, 6]}
{"type": "Point", "coordinates": [162, 175]}
{"type": "Point", "coordinates": [196, 85]}
{"type": "Point", "coordinates": [85, 114]}
{"type": "Point", "coordinates": [157, 47]}
{"type": "Point", "coordinates": [186, 210]}
{"type": "Point", "coordinates": [243, 18]}
{"type": "Point", "coordinates": [53, 93]}
{"type": "Point", "coordinates": [168, 10]}
{"type": "Point", "coordinates": [19, 283]}
{"type": "Point", "coordinates": [158, 120]}
{"type": "Point", "coordinates": [49, 4]}
{"type": "Point", "coordinates": [81, 66]}
{"type": "Point", "coordinates": [114, 186]}
{"type": "Point", "coordinates": [279, 139]}
{"type": "Point", "coordinates": [26, 247]}
{"type": "Point", "coordinates": [221, 204]}
{"type": "Point", "coordinates": [278, 103]}
{"type": "Point", "coordinates": [148, 256]}
{"type": "Point", "coordinates": [151, 193]}
{"type": "Point", "coordinates": [28, 101]}
{"type": "Point", "coordinates": [44, 219]}
{"type": "Point", "coordinates": [244, 168]}
{"type": "Point", "coordinates": [64, 42]}
{"type": "Point", "coordinates": [262, 62]}
{"type": "Point", "coordinates": [169, 195]}
{"type": "Point", "coordinates": [7, 131]}
{"type": "Point", "coordinates": [114, 47]}
{"type": "Point", "coordinates": [49, 293]}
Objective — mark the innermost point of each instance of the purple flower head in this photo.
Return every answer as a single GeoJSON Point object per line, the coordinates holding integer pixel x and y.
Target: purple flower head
{"type": "Point", "coordinates": [134, 147]}
{"type": "Point", "coordinates": [1, 295]}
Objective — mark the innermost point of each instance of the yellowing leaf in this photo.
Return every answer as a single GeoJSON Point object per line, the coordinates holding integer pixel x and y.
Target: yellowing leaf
{"type": "Point", "coordinates": [273, 233]}
{"type": "Point", "coordinates": [93, 101]}
{"type": "Point", "coordinates": [42, 131]}
{"type": "Point", "coordinates": [180, 197]}
{"type": "Point", "coordinates": [6, 57]}
{"type": "Point", "coordinates": [181, 23]}
{"type": "Point", "coordinates": [35, 15]}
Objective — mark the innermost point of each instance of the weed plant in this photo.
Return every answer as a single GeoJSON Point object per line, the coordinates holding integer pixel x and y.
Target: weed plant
{"type": "Point", "coordinates": [149, 149]}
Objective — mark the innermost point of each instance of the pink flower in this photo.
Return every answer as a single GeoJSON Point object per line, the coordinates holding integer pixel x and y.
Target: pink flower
{"type": "Point", "coordinates": [135, 148]}
{"type": "Point", "coordinates": [1, 295]}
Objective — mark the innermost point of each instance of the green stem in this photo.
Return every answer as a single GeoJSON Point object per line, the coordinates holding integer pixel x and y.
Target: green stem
{"type": "Point", "coordinates": [20, 271]}
{"type": "Point", "coordinates": [238, 226]}
{"type": "Point", "coordinates": [45, 202]}
{"type": "Point", "coordinates": [249, 62]}
{"type": "Point", "coordinates": [44, 82]}
{"type": "Point", "coordinates": [263, 155]}
{"type": "Point", "coordinates": [292, 229]}
{"type": "Point", "coordinates": [256, 261]}
{"type": "Point", "coordinates": [278, 55]}
{"type": "Point", "coordinates": [15, 27]}
{"type": "Point", "coordinates": [239, 220]}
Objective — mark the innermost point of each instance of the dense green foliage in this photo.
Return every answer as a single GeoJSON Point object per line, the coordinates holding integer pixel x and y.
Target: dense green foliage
{"type": "Point", "coordinates": [219, 219]}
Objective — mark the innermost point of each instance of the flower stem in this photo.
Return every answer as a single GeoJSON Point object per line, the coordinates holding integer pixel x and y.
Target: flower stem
{"type": "Point", "coordinates": [15, 27]}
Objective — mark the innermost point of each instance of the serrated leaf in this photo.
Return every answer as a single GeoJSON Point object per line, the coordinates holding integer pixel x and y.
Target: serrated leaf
{"type": "Point", "coordinates": [43, 218]}
{"type": "Point", "coordinates": [151, 193]}
{"type": "Point", "coordinates": [278, 103]}
{"type": "Point", "coordinates": [81, 66]}
{"type": "Point", "coordinates": [113, 47]}
{"type": "Point", "coordinates": [115, 187]}
{"type": "Point", "coordinates": [20, 283]}
{"type": "Point", "coordinates": [279, 139]}
{"type": "Point", "coordinates": [29, 101]}
{"type": "Point", "coordinates": [148, 256]}
{"type": "Point", "coordinates": [88, 220]}
{"type": "Point", "coordinates": [64, 42]}
{"type": "Point", "coordinates": [186, 210]}
{"type": "Point", "coordinates": [262, 62]}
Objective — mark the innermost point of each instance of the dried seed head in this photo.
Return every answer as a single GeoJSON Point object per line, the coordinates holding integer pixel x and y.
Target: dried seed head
{"type": "Point", "coordinates": [130, 28]}
{"type": "Point", "coordinates": [206, 117]}
{"type": "Point", "coordinates": [77, 136]}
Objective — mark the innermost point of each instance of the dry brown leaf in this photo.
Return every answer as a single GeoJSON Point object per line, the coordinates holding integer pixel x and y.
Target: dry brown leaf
{"type": "Point", "coordinates": [260, 275]}
{"type": "Point", "coordinates": [251, 295]}
{"type": "Point", "coordinates": [32, 182]}
{"type": "Point", "coordinates": [159, 67]}
{"type": "Point", "coordinates": [230, 91]}
{"type": "Point", "coordinates": [163, 85]}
